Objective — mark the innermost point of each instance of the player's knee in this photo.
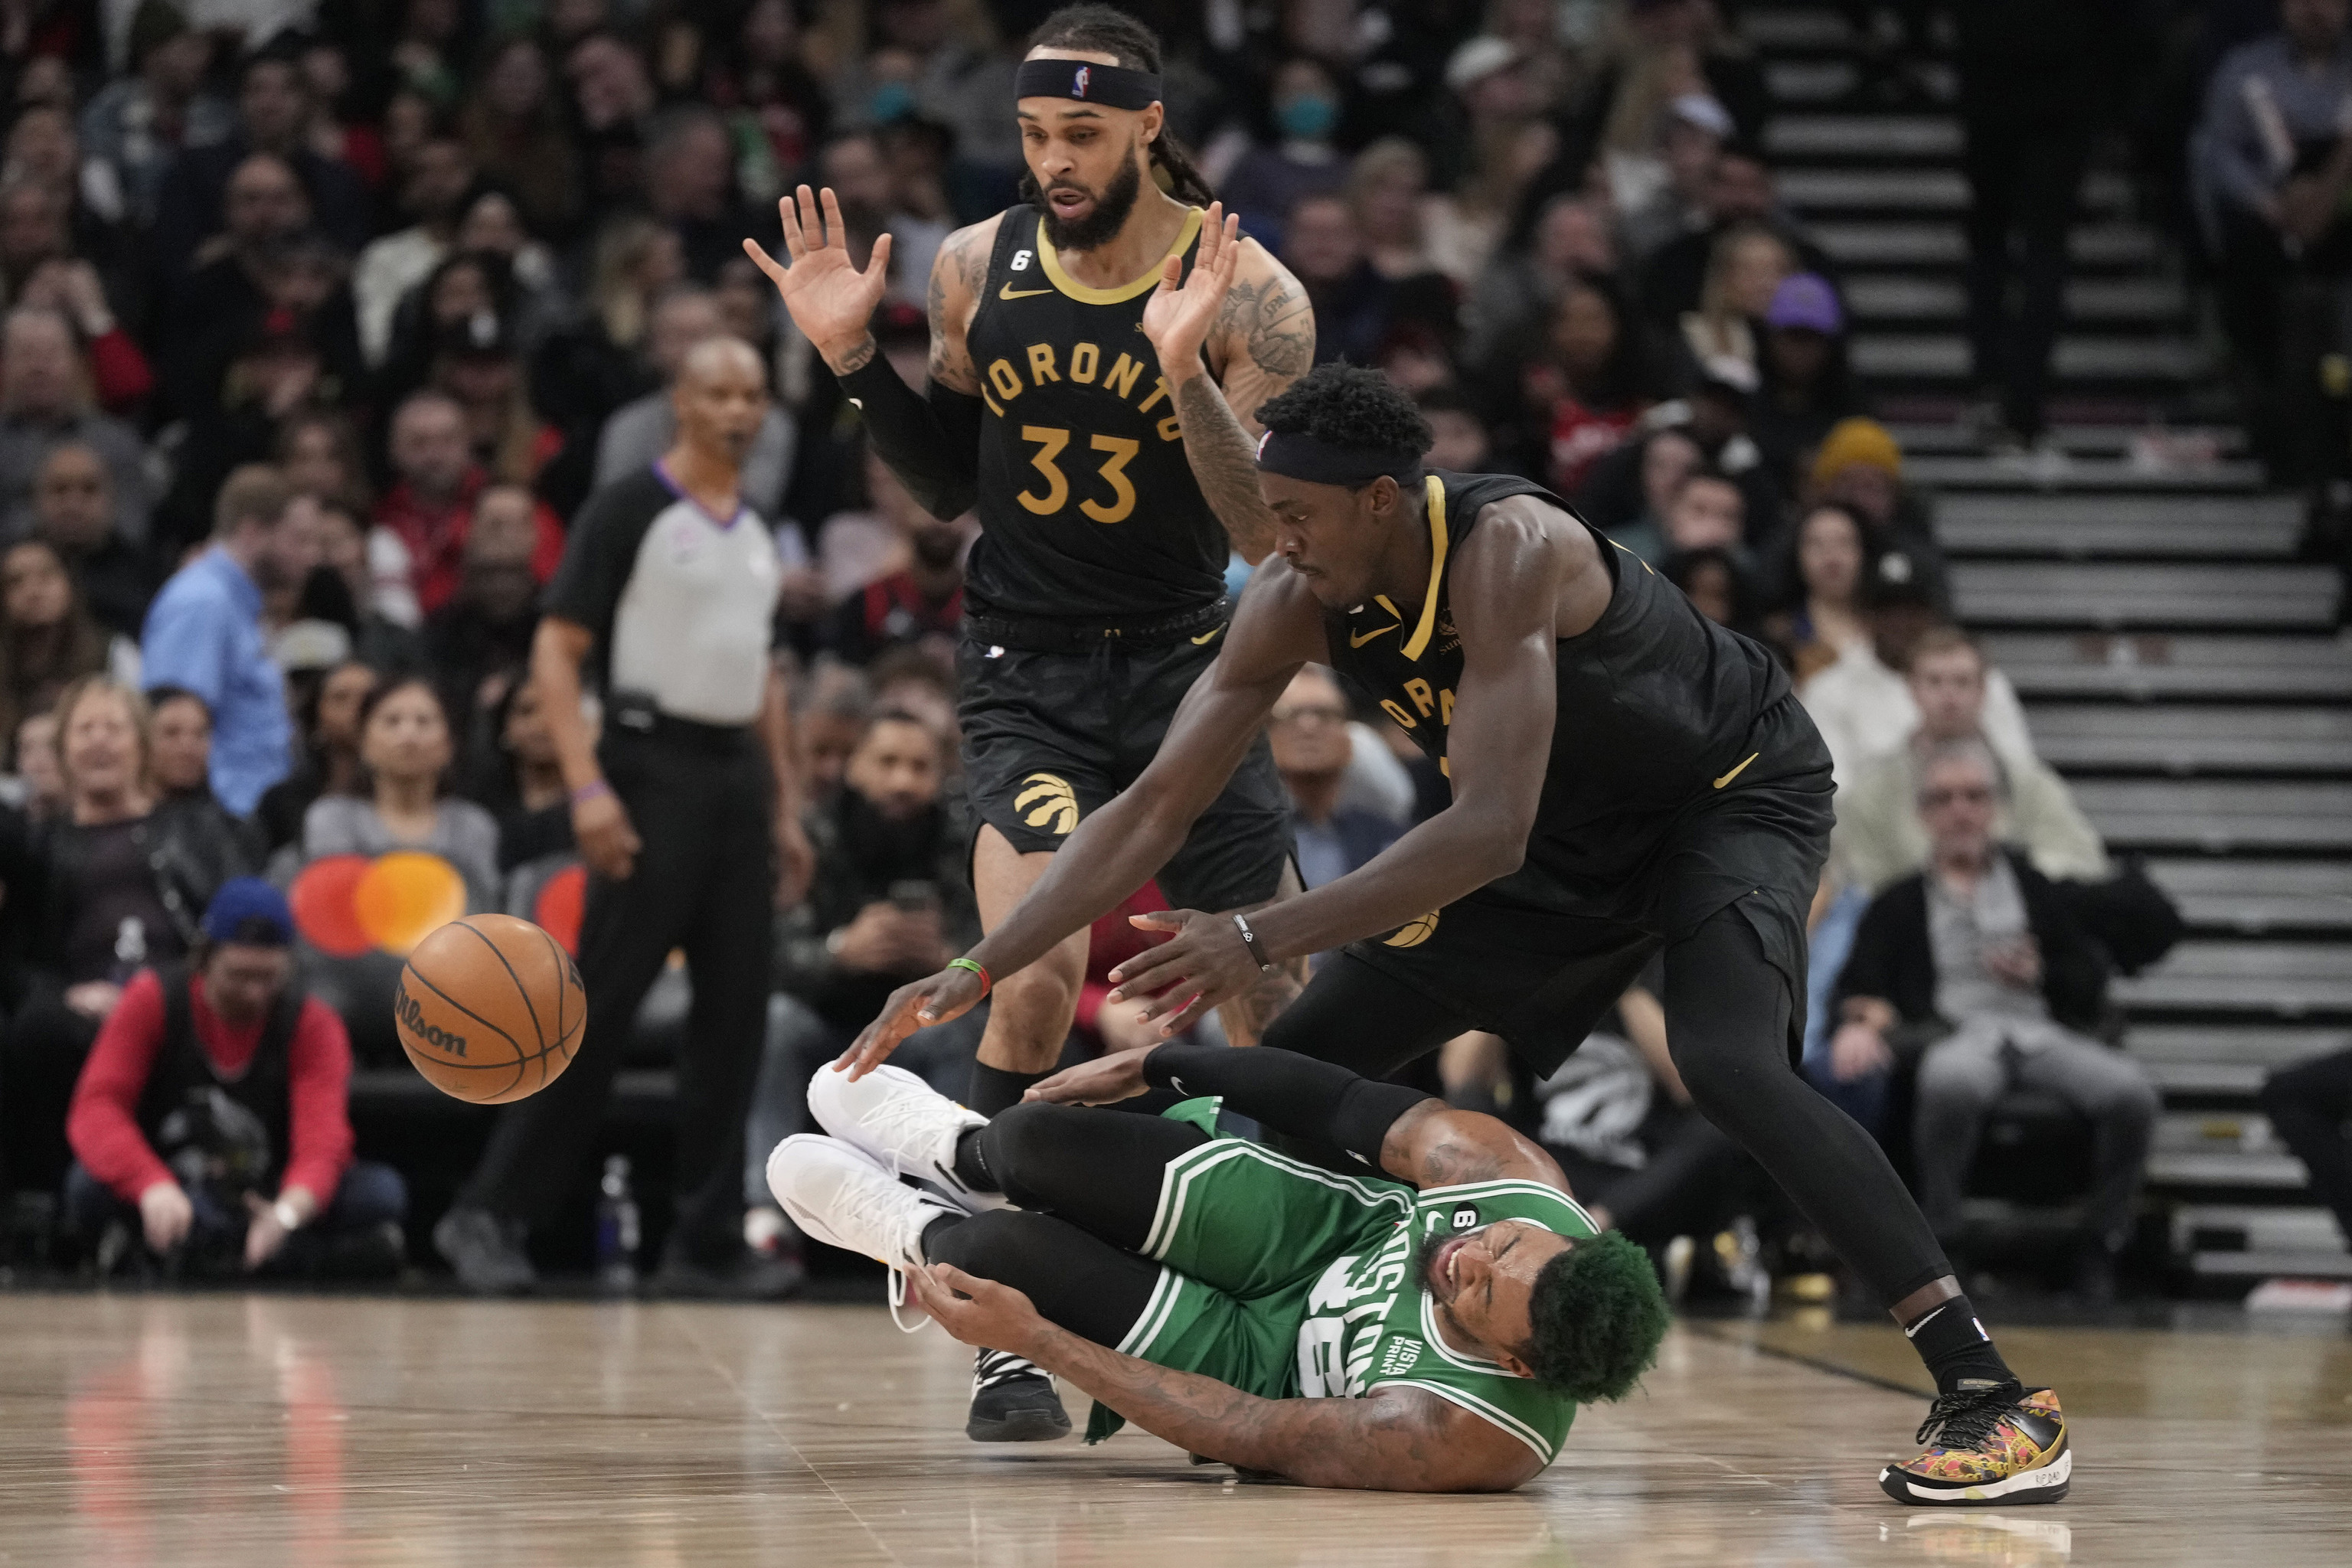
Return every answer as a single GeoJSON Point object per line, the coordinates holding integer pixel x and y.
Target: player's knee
{"type": "Point", "coordinates": [992, 1246]}
{"type": "Point", "coordinates": [1019, 1146]}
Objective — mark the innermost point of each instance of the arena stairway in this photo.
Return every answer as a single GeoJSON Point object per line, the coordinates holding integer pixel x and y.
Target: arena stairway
{"type": "Point", "coordinates": [2178, 664]}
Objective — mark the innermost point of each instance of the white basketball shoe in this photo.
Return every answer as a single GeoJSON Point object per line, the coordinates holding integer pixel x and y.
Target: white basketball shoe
{"type": "Point", "coordinates": [841, 1195]}
{"type": "Point", "coordinates": [904, 1123]}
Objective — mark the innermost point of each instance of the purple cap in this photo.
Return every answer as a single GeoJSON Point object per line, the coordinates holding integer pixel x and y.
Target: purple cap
{"type": "Point", "coordinates": [1806, 299]}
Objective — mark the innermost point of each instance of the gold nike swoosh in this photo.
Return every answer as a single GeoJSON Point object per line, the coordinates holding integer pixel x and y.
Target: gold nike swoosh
{"type": "Point", "coordinates": [1355, 640]}
{"type": "Point", "coordinates": [1009, 292]}
{"type": "Point", "coordinates": [1209, 635]}
{"type": "Point", "coordinates": [1738, 771]}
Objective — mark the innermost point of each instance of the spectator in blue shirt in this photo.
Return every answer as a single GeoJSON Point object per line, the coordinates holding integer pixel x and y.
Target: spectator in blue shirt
{"type": "Point", "coordinates": [1312, 747]}
{"type": "Point", "coordinates": [203, 631]}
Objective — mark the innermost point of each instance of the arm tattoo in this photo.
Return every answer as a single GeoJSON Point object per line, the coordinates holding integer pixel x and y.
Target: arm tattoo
{"type": "Point", "coordinates": [1400, 1440]}
{"type": "Point", "coordinates": [950, 364]}
{"type": "Point", "coordinates": [858, 358]}
{"type": "Point", "coordinates": [1224, 464]}
{"type": "Point", "coordinates": [1274, 323]}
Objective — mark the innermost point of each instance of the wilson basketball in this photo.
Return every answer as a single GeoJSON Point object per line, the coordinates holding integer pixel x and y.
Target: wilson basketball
{"type": "Point", "coordinates": [489, 1008]}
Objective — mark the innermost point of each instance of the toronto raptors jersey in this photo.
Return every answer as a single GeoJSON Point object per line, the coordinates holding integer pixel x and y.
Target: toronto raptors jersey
{"type": "Point", "coordinates": [1087, 508]}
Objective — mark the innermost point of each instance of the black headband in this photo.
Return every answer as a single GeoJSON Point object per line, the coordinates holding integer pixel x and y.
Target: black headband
{"type": "Point", "coordinates": [1295, 455]}
{"type": "Point", "coordinates": [1113, 87]}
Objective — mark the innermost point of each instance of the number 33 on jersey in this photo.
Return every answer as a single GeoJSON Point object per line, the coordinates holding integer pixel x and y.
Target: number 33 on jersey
{"type": "Point", "coordinates": [1085, 499]}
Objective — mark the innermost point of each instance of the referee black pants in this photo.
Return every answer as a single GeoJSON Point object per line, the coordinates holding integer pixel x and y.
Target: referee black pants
{"type": "Point", "coordinates": [704, 881]}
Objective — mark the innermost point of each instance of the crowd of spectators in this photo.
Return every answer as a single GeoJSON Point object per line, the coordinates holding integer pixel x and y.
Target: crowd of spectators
{"type": "Point", "coordinates": [323, 320]}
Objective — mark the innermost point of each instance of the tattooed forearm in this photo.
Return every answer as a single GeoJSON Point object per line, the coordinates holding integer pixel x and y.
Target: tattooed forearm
{"type": "Point", "coordinates": [1275, 325]}
{"type": "Point", "coordinates": [1224, 463]}
{"type": "Point", "coordinates": [856, 359]}
{"type": "Point", "coordinates": [1396, 1440]}
{"type": "Point", "coordinates": [963, 260]}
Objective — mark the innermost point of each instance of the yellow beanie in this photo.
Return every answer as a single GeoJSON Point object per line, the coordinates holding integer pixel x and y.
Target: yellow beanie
{"type": "Point", "coordinates": [1856, 441]}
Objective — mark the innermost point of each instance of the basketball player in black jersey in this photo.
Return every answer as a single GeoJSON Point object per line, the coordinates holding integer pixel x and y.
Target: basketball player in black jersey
{"type": "Point", "coordinates": [1096, 592]}
{"type": "Point", "coordinates": [1627, 777]}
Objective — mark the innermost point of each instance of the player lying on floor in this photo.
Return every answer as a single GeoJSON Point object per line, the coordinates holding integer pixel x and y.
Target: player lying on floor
{"type": "Point", "coordinates": [1428, 1327]}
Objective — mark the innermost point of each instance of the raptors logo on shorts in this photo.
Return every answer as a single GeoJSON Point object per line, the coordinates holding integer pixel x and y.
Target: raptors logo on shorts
{"type": "Point", "coordinates": [1414, 931]}
{"type": "Point", "coordinates": [1047, 802]}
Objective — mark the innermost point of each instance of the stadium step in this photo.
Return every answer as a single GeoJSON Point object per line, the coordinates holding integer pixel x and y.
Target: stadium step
{"type": "Point", "coordinates": [2225, 1059]}
{"type": "Point", "coordinates": [1796, 139]}
{"type": "Point", "coordinates": [2285, 980]}
{"type": "Point", "coordinates": [2109, 597]}
{"type": "Point", "coordinates": [1899, 300]}
{"type": "Point", "coordinates": [1865, 244]}
{"type": "Point", "coordinates": [2220, 817]}
{"type": "Point", "coordinates": [2253, 897]}
{"type": "Point", "coordinates": [2186, 740]}
{"type": "Point", "coordinates": [2209, 1150]}
{"type": "Point", "coordinates": [1969, 472]}
{"type": "Point", "coordinates": [2222, 527]}
{"type": "Point", "coordinates": [2242, 1241]}
{"type": "Point", "coordinates": [2148, 666]}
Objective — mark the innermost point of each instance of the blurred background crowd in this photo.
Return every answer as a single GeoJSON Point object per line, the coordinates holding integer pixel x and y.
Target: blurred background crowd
{"type": "Point", "coordinates": [328, 314]}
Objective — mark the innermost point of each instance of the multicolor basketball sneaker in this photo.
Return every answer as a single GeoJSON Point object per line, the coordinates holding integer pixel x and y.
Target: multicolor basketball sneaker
{"type": "Point", "coordinates": [1987, 1445]}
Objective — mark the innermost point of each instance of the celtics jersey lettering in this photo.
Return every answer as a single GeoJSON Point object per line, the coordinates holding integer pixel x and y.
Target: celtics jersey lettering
{"type": "Point", "coordinates": [1370, 1321]}
{"type": "Point", "coordinates": [1657, 709]}
{"type": "Point", "coordinates": [1089, 510]}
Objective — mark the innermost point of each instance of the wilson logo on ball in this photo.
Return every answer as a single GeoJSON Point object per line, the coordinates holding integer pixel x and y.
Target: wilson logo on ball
{"type": "Point", "coordinates": [412, 1019]}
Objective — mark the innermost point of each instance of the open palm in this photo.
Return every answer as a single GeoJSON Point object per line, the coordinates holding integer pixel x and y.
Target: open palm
{"type": "Point", "coordinates": [1178, 316]}
{"type": "Point", "coordinates": [830, 300]}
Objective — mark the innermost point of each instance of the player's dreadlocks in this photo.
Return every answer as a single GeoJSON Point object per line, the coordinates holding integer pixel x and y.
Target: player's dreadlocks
{"type": "Point", "coordinates": [1101, 29]}
{"type": "Point", "coordinates": [1599, 1316]}
{"type": "Point", "coordinates": [1343, 404]}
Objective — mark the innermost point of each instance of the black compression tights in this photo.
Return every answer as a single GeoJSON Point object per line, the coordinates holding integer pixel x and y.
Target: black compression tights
{"type": "Point", "coordinates": [1727, 1014]}
{"type": "Point", "coordinates": [1088, 1182]}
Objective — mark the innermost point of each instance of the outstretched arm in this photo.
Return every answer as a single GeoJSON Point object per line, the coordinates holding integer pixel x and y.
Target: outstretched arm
{"type": "Point", "coordinates": [1276, 629]}
{"type": "Point", "coordinates": [1251, 316]}
{"type": "Point", "coordinates": [1394, 1439]}
{"type": "Point", "coordinates": [931, 442]}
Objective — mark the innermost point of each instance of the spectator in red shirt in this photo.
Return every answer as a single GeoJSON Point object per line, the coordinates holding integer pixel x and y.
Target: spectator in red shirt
{"type": "Point", "coordinates": [430, 506]}
{"type": "Point", "coordinates": [213, 1108]}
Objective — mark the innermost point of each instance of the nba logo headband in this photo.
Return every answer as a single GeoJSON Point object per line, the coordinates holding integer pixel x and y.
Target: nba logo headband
{"type": "Point", "coordinates": [1113, 87]}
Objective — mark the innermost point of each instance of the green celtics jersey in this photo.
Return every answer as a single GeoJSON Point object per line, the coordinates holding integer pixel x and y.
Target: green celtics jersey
{"type": "Point", "coordinates": [1371, 1322]}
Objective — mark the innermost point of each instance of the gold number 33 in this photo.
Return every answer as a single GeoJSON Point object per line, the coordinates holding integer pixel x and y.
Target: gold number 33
{"type": "Point", "coordinates": [1050, 441]}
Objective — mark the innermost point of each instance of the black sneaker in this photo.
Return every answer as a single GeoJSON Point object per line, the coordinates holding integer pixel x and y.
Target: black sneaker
{"type": "Point", "coordinates": [1014, 1401]}
{"type": "Point", "coordinates": [486, 1251]}
{"type": "Point", "coordinates": [748, 1276]}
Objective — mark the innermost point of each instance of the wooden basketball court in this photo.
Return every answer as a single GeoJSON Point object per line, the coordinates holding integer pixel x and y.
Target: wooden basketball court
{"type": "Point", "coordinates": [309, 1430]}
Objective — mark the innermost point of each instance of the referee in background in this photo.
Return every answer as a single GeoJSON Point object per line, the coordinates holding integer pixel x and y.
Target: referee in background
{"type": "Point", "coordinates": [669, 583]}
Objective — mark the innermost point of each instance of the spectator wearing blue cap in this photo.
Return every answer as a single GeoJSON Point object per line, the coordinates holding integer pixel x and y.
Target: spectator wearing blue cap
{"type": "Point", "coordinates": [213, 1110]}
{"type": "Point", "coordinates": [1805, 382]}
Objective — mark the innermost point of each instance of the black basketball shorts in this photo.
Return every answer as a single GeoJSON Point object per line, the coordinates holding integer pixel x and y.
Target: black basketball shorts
{"type": "Point", "coordinates": [1048, 738]}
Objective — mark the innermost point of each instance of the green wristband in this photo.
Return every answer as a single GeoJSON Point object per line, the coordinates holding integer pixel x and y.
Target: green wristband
{"type": "Point", "coordinates": [986, 984]}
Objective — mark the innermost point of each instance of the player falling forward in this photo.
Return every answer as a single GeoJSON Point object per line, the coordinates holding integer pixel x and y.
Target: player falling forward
{"type": "Point", "coordinates": [1430, 1328]}
{"type": "Point", "coordinates": [1628, 778]}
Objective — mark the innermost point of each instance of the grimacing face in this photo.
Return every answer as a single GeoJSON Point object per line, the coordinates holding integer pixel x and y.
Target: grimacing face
{"type": "Point", "coordinates": [1076, 151]}
{"type": "Point", "coordinates": [1331, 535]}
{"type": "Point", "coordinates": [1484, 1281]}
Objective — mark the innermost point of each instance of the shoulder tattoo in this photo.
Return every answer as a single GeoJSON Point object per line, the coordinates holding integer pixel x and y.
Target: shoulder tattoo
{"type": "Point", "coordinates": [1274, 323]}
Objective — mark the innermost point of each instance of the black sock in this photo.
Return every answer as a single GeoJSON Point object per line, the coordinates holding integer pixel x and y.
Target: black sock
{"type": "Point", "coordinates": [995, 1090]}
{"type": "Point", "coordinates": [972, 1165]}
{"type": "Point", "coordinates": [937, 1228]}
{"type": "Point", "coordinates": [1958, 1352]}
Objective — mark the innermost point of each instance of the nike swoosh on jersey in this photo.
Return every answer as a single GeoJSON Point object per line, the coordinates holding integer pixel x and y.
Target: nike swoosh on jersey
{"type": "Point", "coordinates": [1009, 292]}
{"type": "Point", "coordinates": [1356, 640]}
{"type": "Point", "coordinates": [1738, 771]}
{"type": "Point", "coordinates": [1209, 635]}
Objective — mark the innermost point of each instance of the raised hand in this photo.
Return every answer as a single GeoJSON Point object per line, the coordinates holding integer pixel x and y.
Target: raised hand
{"type": "Point", "coordinates": [830, 300]}
{"type": "Point", "coordinates": [1178, 316]}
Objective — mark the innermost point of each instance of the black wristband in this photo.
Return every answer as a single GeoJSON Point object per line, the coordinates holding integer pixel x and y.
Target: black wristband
{"type": "Point", "coordinates": [932, 445]}
{"type": "Point", "coordinates": [1319, 1102]}
{"type": "Point", "coordinates": [1249, 941]}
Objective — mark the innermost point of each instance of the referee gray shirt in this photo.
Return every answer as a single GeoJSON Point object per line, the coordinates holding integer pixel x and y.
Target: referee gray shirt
{"type": "Point", "coordinates": [682, 603]}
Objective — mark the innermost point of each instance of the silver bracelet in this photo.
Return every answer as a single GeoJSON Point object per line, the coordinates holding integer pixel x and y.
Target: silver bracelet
{"type": "Point", "coordinates": [1249, 941]}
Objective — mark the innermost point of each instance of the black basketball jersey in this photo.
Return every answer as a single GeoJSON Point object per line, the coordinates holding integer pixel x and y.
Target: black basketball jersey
{"type": "Point", "coordinates": [1087, 508]}
{"type": "Point", "coordinates": [1659, 711]}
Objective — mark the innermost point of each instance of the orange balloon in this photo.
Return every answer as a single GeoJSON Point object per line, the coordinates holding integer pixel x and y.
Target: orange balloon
{"type": "Point", "coordinates": [323, 911]}
{"type": "Point", "coordinates": [563, 900]}
{"type": "Point", "coordinates": [405, 896]}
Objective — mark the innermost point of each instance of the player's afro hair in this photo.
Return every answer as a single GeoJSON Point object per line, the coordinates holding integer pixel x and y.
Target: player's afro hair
{"type": "Point", "coordinates": [1599, 1316]}
{"type": "Point", "coordinates": [1347, 406]}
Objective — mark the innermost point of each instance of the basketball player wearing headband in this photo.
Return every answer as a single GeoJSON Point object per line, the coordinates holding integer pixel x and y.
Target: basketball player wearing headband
{"type": "Point", "coordinates": [1628, 778]}
{"type": "Point", "coordinates": [1096, 593]}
